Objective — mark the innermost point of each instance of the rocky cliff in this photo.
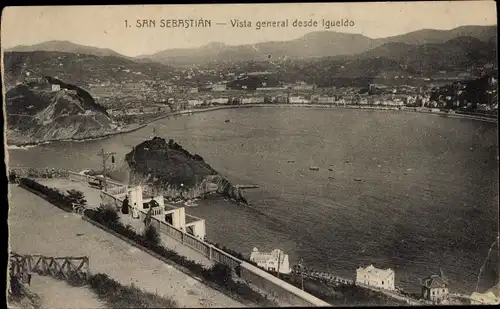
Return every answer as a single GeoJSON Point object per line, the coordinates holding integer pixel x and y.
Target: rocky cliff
{"type": "Point", "coordinates": [47, 109]}
{"type": "Point", "coordinates": [170, 169]}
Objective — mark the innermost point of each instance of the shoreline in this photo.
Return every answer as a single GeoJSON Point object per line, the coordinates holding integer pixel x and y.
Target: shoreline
{"type": "Point", "coordinates": [83, 139]}
{"type": "Point", "coordinates": [327, 106]}
{"type": "Point", "coordinates": [264, 105]}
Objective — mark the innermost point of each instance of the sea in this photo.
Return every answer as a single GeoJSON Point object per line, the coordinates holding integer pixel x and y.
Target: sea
{"type": "Point", "coordinates": [417, 193]}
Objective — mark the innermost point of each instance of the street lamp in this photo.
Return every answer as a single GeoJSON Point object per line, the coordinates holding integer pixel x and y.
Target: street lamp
{"type": "Point", "coordinates": [301, 269]}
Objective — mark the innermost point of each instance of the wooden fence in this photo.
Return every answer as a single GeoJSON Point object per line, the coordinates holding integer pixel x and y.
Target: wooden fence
{"type": "Point", "coordinates": [75, 269]}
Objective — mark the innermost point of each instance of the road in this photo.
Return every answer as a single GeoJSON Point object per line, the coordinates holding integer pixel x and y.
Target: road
{"type": "Point", "coordinates": [37, 227]}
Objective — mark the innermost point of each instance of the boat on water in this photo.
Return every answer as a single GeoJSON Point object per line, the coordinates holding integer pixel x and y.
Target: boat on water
{"type": "Point", "coordinates": [290, 161]}
{"type": "Point", "coordinates": [314, 168]}
{"type": "Point", "coordinates": [331, 177]}
{"type": "Point", "coordinates": [227, 120]}
{"type": "Point", "coordinates": [190, 204]}
{"type": "Point", "coordinates": [357, 179]}
{"type": "Point", "coordinates": [330, 169]}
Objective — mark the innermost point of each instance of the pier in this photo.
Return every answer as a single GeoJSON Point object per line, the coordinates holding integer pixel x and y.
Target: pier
{"type": "Point", "coordinates": [247, 186]}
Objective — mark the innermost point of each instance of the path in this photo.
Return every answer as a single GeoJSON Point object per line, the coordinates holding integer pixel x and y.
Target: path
{"type": "Point", "coordinates": [93, 196]}
{"type": "Point", "coordinates": [37, 227]}
{"type": "Point", "coordinates": [59, 294]}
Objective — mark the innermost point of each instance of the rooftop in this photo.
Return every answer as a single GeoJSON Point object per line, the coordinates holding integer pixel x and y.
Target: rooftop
{"type": "Point", "coordinates": [377, 271]}
{"type": "Point", "coordinates": [434, 281]}
{"type": "Point", "coordinates": [257, 256]}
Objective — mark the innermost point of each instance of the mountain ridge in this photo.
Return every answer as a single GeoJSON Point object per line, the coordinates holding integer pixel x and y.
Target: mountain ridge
{"type": "Point", "coordinates": [314, 44]}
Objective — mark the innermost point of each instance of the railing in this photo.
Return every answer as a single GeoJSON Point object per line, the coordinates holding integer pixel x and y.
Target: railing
{"type": "Point", "coordinates": [68, 268]}
{"type": "Point", "coordinates": [157, 211]}
{"type": "Point", "coordinates": [324, 276]}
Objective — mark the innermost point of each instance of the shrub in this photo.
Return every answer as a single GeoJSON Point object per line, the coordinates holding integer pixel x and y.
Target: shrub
{"type": "Point", "coordinates": [76, 197]}
{"type": "Point", "coordinates": [119, 296]}
{"type": "Point", "coordinates": [107, 215]}
{"type": "Point", "coordinates": [152, 236]}
{"type": "Point", "coordinates": [12, 177]}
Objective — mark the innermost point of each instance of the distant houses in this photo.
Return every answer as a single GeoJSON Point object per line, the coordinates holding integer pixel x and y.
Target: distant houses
{"type": "Point", "coordinates": [375, 277]}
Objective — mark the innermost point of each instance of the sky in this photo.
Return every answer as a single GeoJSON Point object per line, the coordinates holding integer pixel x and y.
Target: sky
{"type": "Point", "coordinates": [104, 26]}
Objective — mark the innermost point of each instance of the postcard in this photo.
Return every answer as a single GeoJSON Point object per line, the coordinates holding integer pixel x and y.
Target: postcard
{"type": "Point", "coordinates": [252, 155]}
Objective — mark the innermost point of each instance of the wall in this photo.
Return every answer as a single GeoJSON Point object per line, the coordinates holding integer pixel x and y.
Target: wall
{"type": "Point", "coordinates": [278, 288]}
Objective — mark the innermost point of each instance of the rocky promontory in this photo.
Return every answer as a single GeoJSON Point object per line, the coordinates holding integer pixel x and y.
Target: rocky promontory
{"type": "Point", "coordinates": [168, 168]}
{"type": "Point", "coordinates": [47, 109]}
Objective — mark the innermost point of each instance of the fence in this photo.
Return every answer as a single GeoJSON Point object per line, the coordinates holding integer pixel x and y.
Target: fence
{"type": "Point", "coordinates": [68, 268]}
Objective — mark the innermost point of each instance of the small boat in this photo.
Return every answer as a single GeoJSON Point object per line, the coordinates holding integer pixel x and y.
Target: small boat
{"type": "Point", "coordinates": [357, 179]}
{"type": "Point", "coordinates": [314, 168]}
{"type": "Point", "coordinates": [190, 204]}
{"type": "Point", "coordinates": [227, 120]}
{"type": "Point", "coordinates": [290, 161]}
{"type": "Point", "coordinates": [331, 177]}
{"type": "Point", "coordinates": [330, 169]}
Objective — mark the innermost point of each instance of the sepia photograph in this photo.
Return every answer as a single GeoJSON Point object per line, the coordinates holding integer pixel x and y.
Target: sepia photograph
{"type": "Point", "coordinates": [251, 155]}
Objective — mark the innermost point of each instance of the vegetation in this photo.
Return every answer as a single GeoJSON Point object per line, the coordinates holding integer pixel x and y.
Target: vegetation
{"type": "Point", "coordinates": [118, 296]}
{"type": "Point", "coordinates": [53, 195]}
{"type": "Point", "coordinates": [152, 236]}
{"type": "Point", "coordinates": [77, 197]}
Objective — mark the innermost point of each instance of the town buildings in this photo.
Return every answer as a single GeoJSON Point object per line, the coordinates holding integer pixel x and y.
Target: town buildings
{"type": "Point", "coordinates": [274, 261]}
{"type": "Point", "coordinates": [375, 277]}
{"type": "Point", "coordinates": [434, 288]}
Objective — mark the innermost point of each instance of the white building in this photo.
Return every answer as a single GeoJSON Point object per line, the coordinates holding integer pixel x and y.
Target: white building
{"type": "Point", "coordinates": [274, 261]}
{"type": "Point", "coordinates": [375, 277]}
{"type": "Point", "coordinates": [173, 216]}
{"type": "Point", "coordinates": [56, 87]}
{"type": "Point", "coordinates": [490, 297]}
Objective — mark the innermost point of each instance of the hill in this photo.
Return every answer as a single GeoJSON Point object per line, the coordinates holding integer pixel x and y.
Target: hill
{"type": "Point", "coordinates": [66, 47]}
{"type": "Point", "coordinates": [457, 53]}
{"type": "Point", "coordinates": [81, 69]}
{"type": "Point", "coordinates": [433, 36]}
{"type": "Point", "coordinates": [314, 44]}
{"type": "Point", "coordinates": [168, 167]}
{"type": "Point", "coordinates": [37, 112]}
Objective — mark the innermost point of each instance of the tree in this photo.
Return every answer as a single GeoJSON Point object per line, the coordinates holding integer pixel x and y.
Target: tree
{"type": "Point", "coordinates": [76, 197]}
{"type": "Point", "coordinates": [152, 236]}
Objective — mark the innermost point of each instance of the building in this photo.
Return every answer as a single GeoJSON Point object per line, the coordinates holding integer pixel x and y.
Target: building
{"type": "Point", "coordinates": [434, 288]}
{"type": "Point", "coordinates": [375, 277]}
{"type": "Point", "coordinates": [219, 87]}
{"type": "Point", "coordinates": [274, 261]}
{"type": "Point", "coordinates": [173, 216]}
{"type": "Point", "coordinates": [490, 297]}
{"type": "Point", "coordinates": [56, 87]}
